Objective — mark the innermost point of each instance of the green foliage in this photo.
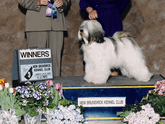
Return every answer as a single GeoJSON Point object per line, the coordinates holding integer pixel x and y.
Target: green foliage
{"type": "Point", "coordinates": [32, 111]}
{"type": "Point", "coordinates": [19, 112]}
{"type": "Point", "coordinates": [158, 103]}
{"type": "Point", "coordinates": [9, 101]}
{"type": "Point", "coordinates": [56, 98]}
{"type": "Point", "coordinates": [65, 102]}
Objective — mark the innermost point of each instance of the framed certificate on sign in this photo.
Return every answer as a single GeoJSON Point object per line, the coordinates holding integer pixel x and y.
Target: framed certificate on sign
{"type": "Point", "coordinates": [34, 64]}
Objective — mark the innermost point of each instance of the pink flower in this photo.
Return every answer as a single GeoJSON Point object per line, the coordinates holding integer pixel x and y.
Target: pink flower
{"type": "Point", "coordinates": [156, 90]}
{"type": "Point", "coordinates": [49, 83]}
{"type": "Point", "coordinates": [150, 91]}
{"type": "Point", "coordinates": [157, 85]}
{"type": "Point", "coordinates": [58, 86]}
{"type": "Point", "coordinates": [160, 93]}
{"type": "Point", "coordinates": [163, 81]}
{"type": "Point", "coordinates": [162, 88]}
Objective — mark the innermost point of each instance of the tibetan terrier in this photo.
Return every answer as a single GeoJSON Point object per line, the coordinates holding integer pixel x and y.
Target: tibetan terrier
{"type": "Point", "coordinates": [101, 54]}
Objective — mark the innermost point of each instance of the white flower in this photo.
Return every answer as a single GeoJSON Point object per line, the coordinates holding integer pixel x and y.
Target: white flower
{"type": "Point", "coordinates": [71, 107]}
{"type": "Point", "coordinates": [1, 87]}
{"type": "Point", "coordinates": [65, 115]}
{"type": "Point", "coordinates": [22, 96]}
{"type": "Point", "coordinates": [11, 90]}
{"type": "Point", "coordinates": [60, 107]}
{"type": "Point", "coordinates": [28, 82]}
{"type": "Point", "coordinates": [78, 110]}
{"type": "Point", "coordinates": [24, 102]}
{"type": "Point", "coordinates": [146, 116]}
{"type": "Point", "coordinates": [7, 85]}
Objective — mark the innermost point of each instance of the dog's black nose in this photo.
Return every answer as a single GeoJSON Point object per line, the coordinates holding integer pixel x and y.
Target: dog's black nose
{"type": "Point", "coordinates": [81, 30]}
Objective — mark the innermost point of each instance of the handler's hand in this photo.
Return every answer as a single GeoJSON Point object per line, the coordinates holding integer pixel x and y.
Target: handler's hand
{"type": "Point", "coordinates": [93, 14]}
{"type": "Point", "coordinates": [42, 2]}
{"type": "Point", "coordinates": [59, 3]}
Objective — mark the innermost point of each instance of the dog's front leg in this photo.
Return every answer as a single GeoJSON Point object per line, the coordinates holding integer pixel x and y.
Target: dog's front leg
{"type": "Point", "coordinates": [89, 72]}
{"type": "Point", "coordinates": [101, 75]}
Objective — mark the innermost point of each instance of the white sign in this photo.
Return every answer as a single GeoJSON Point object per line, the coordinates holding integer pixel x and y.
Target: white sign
{"type": "Point", "coordinates": [34, 54]}
{"type": "Point", "coordinates": [102, 101]}
{"type": "Point", "coordinates": [36, 71]}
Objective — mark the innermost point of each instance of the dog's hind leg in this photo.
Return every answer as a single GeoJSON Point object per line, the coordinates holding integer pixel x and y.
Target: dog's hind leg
{"type": "Point", "coordinates": [125, 72]}
{"type": "Point", "coordinates": [139, 71]}
{"type": "Point", "coordinates": [142, 74]}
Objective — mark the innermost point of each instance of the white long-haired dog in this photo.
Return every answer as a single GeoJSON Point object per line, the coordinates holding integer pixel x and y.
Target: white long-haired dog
{"type": "Point", "coordinates": [102, 54]}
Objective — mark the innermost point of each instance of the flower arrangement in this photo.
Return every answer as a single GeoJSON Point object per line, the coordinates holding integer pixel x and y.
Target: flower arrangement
{"type": "Point", "coordinates": [65, 115]}
{"type": "Point", "coordinates": [146, 116]}
{"type": "Point", "coordinates": [139, 113]}
{"type": "Point", "coordinates": [64, 111]}
{"type": "Point", "coordinates": [156, 97]}
{"type": "Point", "coordinates": [48, 97]}
{"type": "Point", "coordinates": [149, 110]}
{"type": "Point", "coordinates": [33, 97]}
{"type": "Point", "coordinates": [10, 110]}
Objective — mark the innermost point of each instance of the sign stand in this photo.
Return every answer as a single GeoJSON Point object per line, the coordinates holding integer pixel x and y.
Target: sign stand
{"type": "Point", "coordinates": [31, 65]}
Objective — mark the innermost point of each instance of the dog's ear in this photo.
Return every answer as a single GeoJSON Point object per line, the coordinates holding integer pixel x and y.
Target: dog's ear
{"type": "Point", "coordinates": [98, 37]}
{"type": "Point", "coordinates": [81, 42]}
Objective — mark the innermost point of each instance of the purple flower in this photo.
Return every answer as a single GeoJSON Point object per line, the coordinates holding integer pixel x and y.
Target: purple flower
{"type": "Point", "coordinates": [22, 96]}
{"type": "Point", "coordinates": [26, 91]}
{"type": "Point", "coordinates": [37, 95]}
{"type": "Point", "coordinates": [42, 86]}
{"type": "Point", "coordinates": [18, 88]}
{"type": "Point", "coordinates": [22, 89]}
{"type": "Point", "coordinates": [38, 98]}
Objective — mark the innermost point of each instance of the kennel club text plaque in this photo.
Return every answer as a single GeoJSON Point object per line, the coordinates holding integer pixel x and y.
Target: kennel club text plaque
{"type": "Point", "coordinates": [35, 64]}
{"type": "Point", "coordinates": [102, 101]}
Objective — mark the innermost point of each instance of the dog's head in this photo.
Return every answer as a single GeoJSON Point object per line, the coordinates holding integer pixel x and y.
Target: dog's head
{"type": "Point", "coordinates": [91, 31]}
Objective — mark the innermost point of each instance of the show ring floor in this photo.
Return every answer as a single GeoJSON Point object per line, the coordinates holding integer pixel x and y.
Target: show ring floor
{"type": "Point", "coordinates": [114, 80]}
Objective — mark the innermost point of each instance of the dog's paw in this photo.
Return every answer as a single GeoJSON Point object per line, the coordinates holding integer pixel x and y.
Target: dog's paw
{"type": "Point", "coordinates": [145, 78]}
{"type": "Point", "coordinates": [114, 73]}
{"type": "Point", "coordinates": [87, 79]}
{"type": "Point", "coordinates": [89, 82]}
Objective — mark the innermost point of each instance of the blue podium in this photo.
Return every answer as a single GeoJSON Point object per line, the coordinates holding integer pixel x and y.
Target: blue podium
{"type": "Point", "coordinates": [102, 102]}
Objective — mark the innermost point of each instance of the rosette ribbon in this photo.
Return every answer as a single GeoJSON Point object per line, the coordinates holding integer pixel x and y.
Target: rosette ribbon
{"type": "Point", "coordinates": [51, 9]}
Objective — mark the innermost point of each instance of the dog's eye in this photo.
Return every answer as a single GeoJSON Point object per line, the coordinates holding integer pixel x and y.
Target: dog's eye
{"type": "Point", "coordinates": [81, 30]}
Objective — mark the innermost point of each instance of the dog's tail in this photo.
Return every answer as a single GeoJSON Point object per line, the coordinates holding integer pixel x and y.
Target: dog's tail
{"type": "Point", "coordinates": [121, 35]}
